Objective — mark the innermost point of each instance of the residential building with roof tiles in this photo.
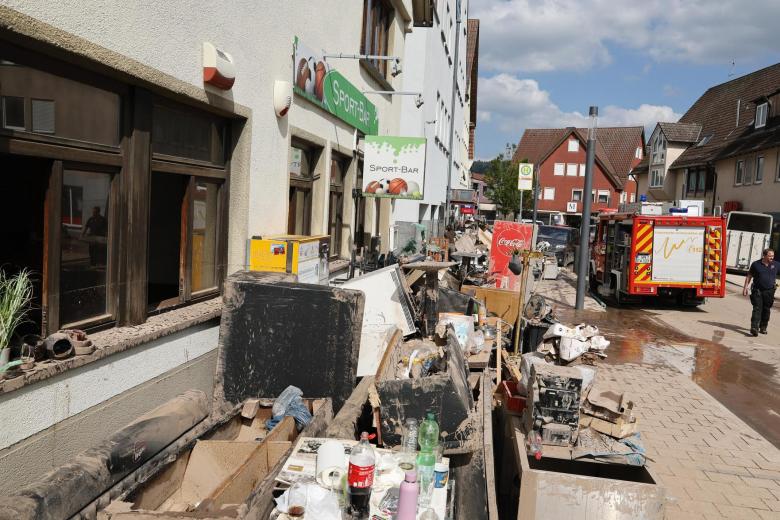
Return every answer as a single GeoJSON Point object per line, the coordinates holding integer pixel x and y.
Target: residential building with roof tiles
{"type": "Point", "coordinates": [559, 155]}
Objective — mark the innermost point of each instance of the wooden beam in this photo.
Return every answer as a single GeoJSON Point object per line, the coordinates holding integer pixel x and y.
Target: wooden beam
{"type": "Point", "coordinates": [136, 186]}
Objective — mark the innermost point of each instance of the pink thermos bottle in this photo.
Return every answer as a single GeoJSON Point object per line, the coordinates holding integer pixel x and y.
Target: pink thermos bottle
{"type": "Point", "coordinates": [407, 497]}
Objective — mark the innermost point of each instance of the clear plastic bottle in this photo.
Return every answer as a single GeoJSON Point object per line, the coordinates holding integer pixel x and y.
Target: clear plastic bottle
{"type": "Point", "coordinates": [428, 438]}
{"type": "Point", "coordinates": [360, 478]}
{"type": "Point", "coordinates": [409, 446]}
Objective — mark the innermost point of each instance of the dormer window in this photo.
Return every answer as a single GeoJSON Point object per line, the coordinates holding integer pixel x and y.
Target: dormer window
{"type": "Point", "coordinates": [638, 152]}
{"type": "Point", "coordinates": [761, 113]}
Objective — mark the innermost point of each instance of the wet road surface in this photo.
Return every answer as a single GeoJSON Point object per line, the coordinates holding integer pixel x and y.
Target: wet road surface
{"type": "Point", "coordinates": [748, 388]}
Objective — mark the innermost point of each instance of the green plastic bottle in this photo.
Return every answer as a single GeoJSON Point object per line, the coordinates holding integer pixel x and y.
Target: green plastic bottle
{"type": "Point", "coordinates": [428, 437]}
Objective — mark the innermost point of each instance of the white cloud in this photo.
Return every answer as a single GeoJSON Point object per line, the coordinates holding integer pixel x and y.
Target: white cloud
{"type": "Point", "coordinates": [514, 104]}
{"type": "Point", "coordinates": [536, 35]}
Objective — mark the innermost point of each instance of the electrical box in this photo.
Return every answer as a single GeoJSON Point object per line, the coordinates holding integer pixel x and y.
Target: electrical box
{"type": "Point", "coordinates": [304, 256]}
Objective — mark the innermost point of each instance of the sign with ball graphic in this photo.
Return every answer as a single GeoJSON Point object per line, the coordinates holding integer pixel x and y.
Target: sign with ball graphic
{"type": "Point", "coordinates": [394, 167]}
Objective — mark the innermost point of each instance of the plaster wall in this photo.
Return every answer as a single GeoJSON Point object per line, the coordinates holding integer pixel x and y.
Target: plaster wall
{"type": "Point", "coordinates": [761, 197]}
{"type": "Point", "coordinates": [428, 69]}
{"type": "Point", "coordinates": [52, 447]}
{"type": "Point", "coordinates": [38, 406]}
{"type": "Point", "coordinates": [670, 188]}
{"type": "Point", "coordinates": [259, 36]}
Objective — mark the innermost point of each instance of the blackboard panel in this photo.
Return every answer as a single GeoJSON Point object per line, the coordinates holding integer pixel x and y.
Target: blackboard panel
{"type": "Point", "coordinates": [276, 333]}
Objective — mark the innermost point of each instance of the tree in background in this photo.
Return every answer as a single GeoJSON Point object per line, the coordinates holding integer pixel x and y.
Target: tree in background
{"type": "Point", "coordinates": [501, 184]}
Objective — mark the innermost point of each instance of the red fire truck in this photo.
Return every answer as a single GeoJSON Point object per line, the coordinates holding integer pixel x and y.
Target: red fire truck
{"type": "Point", "coordinates": [672, 256]}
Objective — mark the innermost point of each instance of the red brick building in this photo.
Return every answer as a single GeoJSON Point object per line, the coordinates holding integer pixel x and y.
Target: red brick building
{"type": "Point", "coordinates": [559, 155]}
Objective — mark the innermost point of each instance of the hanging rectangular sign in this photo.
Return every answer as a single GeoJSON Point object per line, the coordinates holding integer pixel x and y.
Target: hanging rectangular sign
{"type": "Point", "coordinates": [394, 167]}
{"type": "Point", "coordinates": [315, 80]}
{"type": "Point", "coordinates": [525, 177]}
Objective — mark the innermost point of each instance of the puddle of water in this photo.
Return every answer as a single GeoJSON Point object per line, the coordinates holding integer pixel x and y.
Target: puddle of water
{"type": "Point", "coordinates": [748, 388]}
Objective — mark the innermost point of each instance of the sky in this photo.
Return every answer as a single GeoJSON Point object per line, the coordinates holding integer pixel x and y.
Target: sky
{"type": "Point", "coordinates": [542, 63]}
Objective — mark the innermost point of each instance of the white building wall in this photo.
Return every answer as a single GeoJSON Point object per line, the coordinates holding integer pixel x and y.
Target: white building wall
{"type": "Point", "coordinates": [428, 66]}
{"type": "Point", "coordinates": [259, 35]}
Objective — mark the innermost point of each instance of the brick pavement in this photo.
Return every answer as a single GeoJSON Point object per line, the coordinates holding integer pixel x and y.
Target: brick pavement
{"type": "Point", "coordinates": [711, 463]}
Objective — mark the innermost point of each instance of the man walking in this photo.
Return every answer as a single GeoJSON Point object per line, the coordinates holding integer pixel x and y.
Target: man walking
{"type": "Point", "coordinates": [764, 275]}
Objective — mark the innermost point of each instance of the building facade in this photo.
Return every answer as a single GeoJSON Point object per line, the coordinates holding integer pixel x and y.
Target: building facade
{"type": "Point", "coordinates": [723, 150]}
{"type": "Point", "coordinates": [140, 185]}
{"type": "Point", "coordinates": [559, 157]}
{"type": "Point", "coordinates": [429, 62]}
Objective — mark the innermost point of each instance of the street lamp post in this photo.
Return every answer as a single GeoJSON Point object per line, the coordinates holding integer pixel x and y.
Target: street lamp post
{"type": "Point", "coordinates": [584, 257]}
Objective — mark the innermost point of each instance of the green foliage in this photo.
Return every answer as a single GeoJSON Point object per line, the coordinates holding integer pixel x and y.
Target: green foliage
{"type": "Point", "coordinates": [16, 294]}
{"type": "Point", "coordinates": [501, 185]}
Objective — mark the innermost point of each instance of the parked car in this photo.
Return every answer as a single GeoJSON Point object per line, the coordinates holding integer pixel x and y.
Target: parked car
{"type": "Point", "coordinates": [563, 242]}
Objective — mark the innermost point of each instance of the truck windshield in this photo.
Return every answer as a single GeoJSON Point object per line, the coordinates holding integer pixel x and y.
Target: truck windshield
{"type": "Point", "coordinates": [554, 235]}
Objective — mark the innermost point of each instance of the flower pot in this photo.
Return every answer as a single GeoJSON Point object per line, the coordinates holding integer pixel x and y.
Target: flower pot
{"type": "Point", "coordinates": [34, 346]}
{"type": "Point", "coordinates": [28, 363]}
{"type": "Point", "coordinates": [5, 356]}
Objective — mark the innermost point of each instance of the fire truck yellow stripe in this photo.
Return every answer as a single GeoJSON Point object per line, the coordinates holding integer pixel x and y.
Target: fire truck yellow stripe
{"type": "Point", "coordinates": [642, 245]}
{"type": "Point", "coordinates": [643, 231]}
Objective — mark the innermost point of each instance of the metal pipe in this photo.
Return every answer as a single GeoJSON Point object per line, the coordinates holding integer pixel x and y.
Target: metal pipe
{"type": "Point", "coordinates": [582, 265]}
{"type": "Point", "coordinates": [536, 203]}
{"type": "Point", "coordinates": [448, 198]}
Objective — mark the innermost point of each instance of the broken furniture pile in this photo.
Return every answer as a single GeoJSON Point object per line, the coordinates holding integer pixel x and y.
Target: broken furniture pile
{"type": "Point", "coordinates": [567, 406]}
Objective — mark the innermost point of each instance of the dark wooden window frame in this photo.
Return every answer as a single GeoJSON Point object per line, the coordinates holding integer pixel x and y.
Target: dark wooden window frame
{"type": "Point", "coordinates": [304, 183]}
{"type": "Point", "coordinates": [375, 37]}
{"type": "Point", "coordinates": [130, 163]}
{"type": "Point", "coordinates": [338, 191]}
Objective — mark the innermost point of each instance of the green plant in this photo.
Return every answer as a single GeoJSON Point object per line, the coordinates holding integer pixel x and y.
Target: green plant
{"type": "Point", "coordinates": [16, 294]}
{"type": "Point", "coordinates": [501, 184]}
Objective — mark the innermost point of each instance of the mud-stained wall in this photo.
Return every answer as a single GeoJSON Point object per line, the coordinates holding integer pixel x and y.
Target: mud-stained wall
{"type": "Point", "coordinates": [41, 451]}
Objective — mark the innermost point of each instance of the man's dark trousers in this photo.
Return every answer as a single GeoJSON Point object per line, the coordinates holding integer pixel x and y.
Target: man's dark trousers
{"type": "Point", "coordinates": [762, 302]}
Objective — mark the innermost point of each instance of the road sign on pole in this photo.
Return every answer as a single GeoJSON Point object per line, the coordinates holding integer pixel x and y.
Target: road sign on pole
{"type": "Point", "coordinates": [525, 177]}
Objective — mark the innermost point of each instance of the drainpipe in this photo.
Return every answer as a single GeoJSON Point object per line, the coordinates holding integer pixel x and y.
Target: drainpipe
{"type": "Point", "coordinates": [452, 109]}
{"type": "Point", "coordinates": [714, 187]}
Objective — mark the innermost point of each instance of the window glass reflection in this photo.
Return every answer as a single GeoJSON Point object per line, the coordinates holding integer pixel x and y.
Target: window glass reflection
{"type": "Point", "coordinates": [204, 236]}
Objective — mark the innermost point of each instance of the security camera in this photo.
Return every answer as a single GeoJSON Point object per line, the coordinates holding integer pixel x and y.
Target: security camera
{"type": "Point", "coordinates": [418, 100]}
{"type": "Point", "coordinates": [396, 70]}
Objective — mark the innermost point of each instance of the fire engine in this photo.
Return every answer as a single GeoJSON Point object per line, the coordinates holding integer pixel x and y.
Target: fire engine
{"type": "Point", "coordinates": [673, 256]}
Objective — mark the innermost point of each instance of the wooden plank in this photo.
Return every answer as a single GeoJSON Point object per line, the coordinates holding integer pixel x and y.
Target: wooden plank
{"type": "Point", "coordinates": [344, 423]}
{"type": "Point", "coordinates": [188, 169]}
{"type": "Point", "coordinates": [480, 361]}
{"type": "Point", "coordinates": [487, 446]}
{"type": "Point", "coordinates": [58, 152]}
{"type": "Point", "coordinates": [136, 180]}
{"type": "Point", "coordinates": [52, 244]}
{"type": "Point", "coordinates": [513, 370]}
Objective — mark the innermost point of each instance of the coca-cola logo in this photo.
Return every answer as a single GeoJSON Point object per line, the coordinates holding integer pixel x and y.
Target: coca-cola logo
{"type": "Point", "coordinates": [509, 241]}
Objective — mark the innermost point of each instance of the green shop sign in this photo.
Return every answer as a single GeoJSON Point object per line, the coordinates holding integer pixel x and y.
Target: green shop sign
{"type": "Point", "coordinates": [316, 81]}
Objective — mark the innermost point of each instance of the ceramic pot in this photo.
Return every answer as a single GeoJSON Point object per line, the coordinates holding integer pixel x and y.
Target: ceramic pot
{"type": "Point", "coordinates": [5, 356]}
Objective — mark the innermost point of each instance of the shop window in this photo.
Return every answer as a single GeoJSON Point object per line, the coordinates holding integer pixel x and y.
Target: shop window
{"type": "Point", "coordinates": [184, 238]}
{"type": "Point", "coordinates": [338, 172]}
{"type": "Point", "coordinates": [13, 112]}
{"type": "Point", "coordinates": [188, 134]}
{"type": "Point", "coordinates": [205, 223]}
{"type": "Point", "coordinates": [92, 114]}
{"type": "Point", "coordinates": [22, 235]}
{"type": "Point", "coordinates": [166, 217]}
{"type": "Point", "coordinates": [377, 19]}
{"type": "Point", "coordinates": [84, 251]}
{"type": "Point", "coordinates": [43, 116]}
{"type": "Point", "coordinates": [302, 160]}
